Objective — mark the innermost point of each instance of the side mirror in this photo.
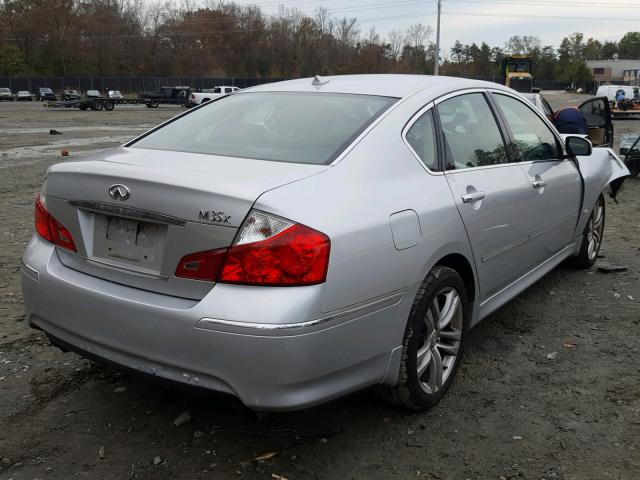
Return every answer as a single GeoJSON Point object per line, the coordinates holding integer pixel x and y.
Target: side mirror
{"type": "Point", "coordinates": [578, 146]}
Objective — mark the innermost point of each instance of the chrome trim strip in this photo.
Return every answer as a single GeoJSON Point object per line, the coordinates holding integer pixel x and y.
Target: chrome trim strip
{"type": "Point", "coordinates": [457, 93]}
{"type": "Point", "coordinates": [264, 326]}
{"type": "Point", "coordinates": [128, 212]}
{"type": "Point", "coordinates": [273, 327]}
{"type": "Point", "coordinates": [480, 167]}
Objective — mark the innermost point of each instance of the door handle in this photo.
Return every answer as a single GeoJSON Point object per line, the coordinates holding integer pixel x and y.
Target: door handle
{"type": "Point", "coordinates": [472, 197]}
{"type": "Point", "coordinates": [538, 183]}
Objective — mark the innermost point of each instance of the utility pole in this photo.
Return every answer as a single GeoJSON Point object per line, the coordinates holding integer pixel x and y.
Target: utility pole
{"type": "Point", "coordinates": [436, 67]}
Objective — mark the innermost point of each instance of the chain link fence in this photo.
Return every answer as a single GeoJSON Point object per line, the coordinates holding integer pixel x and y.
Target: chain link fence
{"type": "Point", "coordinates": [146, 84]}
{"type": "Point", "coordinates": [124, 84]}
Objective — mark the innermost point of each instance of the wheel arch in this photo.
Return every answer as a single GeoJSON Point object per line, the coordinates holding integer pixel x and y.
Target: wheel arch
{"type": "Point", "coordinates": [461, 264]}
{"type": "Point", "coordinates": [598, 171]}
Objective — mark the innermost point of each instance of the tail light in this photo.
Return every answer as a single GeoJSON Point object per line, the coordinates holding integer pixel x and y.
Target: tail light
{"type": "Point", "coordinates": [193, 97]}
{"type": "Point", "coordinates": [269, 250]}
{"type": "Point", "coordinates": [51, 230]}
{"type": "Point", "coordinates": [201, 265]}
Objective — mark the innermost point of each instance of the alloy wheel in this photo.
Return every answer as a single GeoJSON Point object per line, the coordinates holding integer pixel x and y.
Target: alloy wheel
{"type": "Point", "coordinates": [441, 340]}
{"type": "Point", "coordinates": [594, 230]}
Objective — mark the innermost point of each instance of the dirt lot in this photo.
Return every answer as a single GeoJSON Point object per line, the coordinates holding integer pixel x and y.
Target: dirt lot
{"type": "Point", "coordinates": [549, 387]}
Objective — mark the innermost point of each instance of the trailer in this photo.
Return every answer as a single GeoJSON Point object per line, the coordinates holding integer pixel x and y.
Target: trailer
{"type": "Point", "coordinates": [97, 103]}
{"type": "Point", "coordinates": [108, 104]}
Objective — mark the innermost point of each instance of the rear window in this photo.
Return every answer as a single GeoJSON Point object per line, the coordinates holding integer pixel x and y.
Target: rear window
{"type": "Point", "coordinates": [296, 127]}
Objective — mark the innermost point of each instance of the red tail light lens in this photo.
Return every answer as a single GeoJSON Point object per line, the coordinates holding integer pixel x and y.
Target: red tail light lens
{"type": "Point", "coordinates": [269, 251]}
{"type": "Point", "coordinates": [51, 230]}
{"type": "Point", "coordinates": [296, 256]}
{"type": "Point", "coordinates": [201, 265]}
{"type": "Point", "coordinates": [42, 221]}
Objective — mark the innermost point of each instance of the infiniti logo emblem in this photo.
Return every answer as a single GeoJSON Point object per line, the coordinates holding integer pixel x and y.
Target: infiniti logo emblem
{"type": "Point", "coordinates": [119, 192]}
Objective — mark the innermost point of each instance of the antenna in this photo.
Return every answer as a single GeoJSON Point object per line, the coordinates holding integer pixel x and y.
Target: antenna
{"type": "Point", "coordinates": [318, 80]}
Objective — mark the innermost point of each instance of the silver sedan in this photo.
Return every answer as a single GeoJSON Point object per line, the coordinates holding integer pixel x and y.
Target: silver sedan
{"type": "Point", "coordinates": [298, 241]}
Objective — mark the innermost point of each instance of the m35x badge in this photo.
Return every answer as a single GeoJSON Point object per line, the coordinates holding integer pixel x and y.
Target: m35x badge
{"type": "Point", "coordinates": [213, 217]}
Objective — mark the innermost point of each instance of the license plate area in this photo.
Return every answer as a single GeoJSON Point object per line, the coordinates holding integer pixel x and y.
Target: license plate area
{"type": "Point", "coordinates": [131, 243]}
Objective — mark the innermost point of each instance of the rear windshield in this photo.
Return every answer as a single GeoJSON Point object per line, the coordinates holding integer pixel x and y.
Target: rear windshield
{"type": "Point", "coordinates": [296, 127]}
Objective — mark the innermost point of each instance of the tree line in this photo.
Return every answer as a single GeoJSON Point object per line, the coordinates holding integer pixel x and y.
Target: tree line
{"type": "Point", "coordinates": [134, 37]}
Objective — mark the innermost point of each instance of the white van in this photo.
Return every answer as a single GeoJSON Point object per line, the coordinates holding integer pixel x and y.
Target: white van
{"type": "Point", "coordinates": [609, 91]}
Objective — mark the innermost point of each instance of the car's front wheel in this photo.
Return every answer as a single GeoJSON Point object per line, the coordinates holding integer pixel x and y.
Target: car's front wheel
{"type": "Point", "coordinates": [591, 237]}
{"type": "Point", "coordinates": [432, 341]}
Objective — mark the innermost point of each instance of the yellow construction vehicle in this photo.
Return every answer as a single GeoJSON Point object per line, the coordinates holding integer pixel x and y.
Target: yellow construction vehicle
{"type": "Point", "coordinates": [516, 72]}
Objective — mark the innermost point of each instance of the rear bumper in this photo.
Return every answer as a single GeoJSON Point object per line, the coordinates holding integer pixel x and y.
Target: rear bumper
{"type": "Point", "coordinates": [284, 361]}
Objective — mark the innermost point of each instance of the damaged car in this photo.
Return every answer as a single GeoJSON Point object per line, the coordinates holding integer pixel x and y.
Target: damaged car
{"type": "Point", "coordinates": [298, 241]}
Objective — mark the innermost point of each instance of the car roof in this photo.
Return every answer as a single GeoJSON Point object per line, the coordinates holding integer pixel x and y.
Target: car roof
{"type": "Point", "coordinates": [388, 85]}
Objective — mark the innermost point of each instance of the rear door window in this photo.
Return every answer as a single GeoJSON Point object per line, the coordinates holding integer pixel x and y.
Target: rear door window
{"type": "Point", "coordinates": [296, 127]}
{"type": "Point", "coordinates": [471, 135]}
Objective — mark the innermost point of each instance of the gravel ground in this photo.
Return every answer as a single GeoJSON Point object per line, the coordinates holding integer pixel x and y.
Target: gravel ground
{"type": "Point", "coordinates": [548, 387]}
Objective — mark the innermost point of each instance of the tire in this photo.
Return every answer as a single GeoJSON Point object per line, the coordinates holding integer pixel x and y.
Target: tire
{"type": "Point", "coordinates": [205, 101]}
{"type": "Point", "coordinates": [591, 237]}
{"type": "Point", "coordinates": [435, 349]}
{"type": "Point", "coordinates": [83, 107]}
{"type": "Point", "coordinates": [108, 105]}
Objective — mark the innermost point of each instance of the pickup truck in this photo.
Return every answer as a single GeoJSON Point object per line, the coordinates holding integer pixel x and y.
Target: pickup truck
{"type": "Point", "coordinates": [196, 98]}
{"type": "Point", "coordinates": [166, 95]}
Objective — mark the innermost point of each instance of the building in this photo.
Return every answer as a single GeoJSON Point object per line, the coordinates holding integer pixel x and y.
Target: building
{"type": "Point", "coordinates": [613, 71]}
{"type": "Point", "coordinates": [631, 77]}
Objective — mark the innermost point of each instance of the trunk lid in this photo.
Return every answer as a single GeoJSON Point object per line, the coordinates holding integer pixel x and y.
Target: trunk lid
{"type": "Point", "coordinates": [162, 205]}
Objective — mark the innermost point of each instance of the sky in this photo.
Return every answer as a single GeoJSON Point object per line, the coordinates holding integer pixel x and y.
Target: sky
{"type": "Point", "coordinates": [491, 21]}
